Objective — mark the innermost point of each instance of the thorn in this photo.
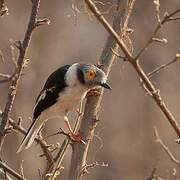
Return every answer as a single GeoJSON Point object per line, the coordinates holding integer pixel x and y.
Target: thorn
{"type": "Point", "coordinates": [95, 120]}
{"type": "Point", "coordinates": [19, 123]}
{"type": "Point", "coordinates": [18, 44]}
{"type": "Point", "coordinates": [177, 56]}
{"type": "Point", "coordinates": [26, 62]}
{"type": "Point", "coordinates": [8, 130]}
{"type": "Point", "coordinates": [129, 30]}
{"type": "Point", "coordinates": [163, 40]}
{"type": "Point", "coordinates": [40, 22]}
{"type": "Point", "coordinates": [4, 10]}
{"type": "Point", "coordinates": [98, 64]}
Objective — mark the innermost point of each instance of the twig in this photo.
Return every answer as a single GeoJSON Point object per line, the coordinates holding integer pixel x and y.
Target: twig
{"type": "Point", "coordinates": [19, 128]}
{"type": "Point", "coordinates": [135, 63]}
{"type": "Point", "coordinates": [157, 5]}
{"type": "Point", "coordinates": [11, 171]}
{"type": "Point", "coordinates": [21, 169]}
{"type": "Point", "coordinates": [40, 174]}
{"type": "Point", "coordinates": [20, 62]}
{"type": "Point", "coordinates": [3, 175]}
{"type": "Point", "coordinates": [84, 169]}
{"type": "Point", "coordinates": [165, 148]}
{"type": "Point", "coordinates": [152, 176]}
{"type": "Point", "coordinates": [175, 174]}
{"type": "Point", "coordinates": [7, 77]}
{"type": "Point", "coordinates": [60, 131]}
{"type": "Point", "coordinates": [167, 18]}
{"type": "Point", "coordinates": [1, 56]}
{"type": "Point", "coordinates": [119, 56]}
{"type": "Point", "coordinates": [158, 69]}
{"type": "Point", "coordinates": [64, 147]}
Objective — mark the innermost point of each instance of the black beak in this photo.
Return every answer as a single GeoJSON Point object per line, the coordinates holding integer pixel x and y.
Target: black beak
{"type": "Point", "coordinates": [105, 85]}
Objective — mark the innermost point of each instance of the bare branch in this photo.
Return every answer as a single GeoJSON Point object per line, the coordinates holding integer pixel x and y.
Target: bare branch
{"type": "Point", "coordinates": [40, 141]}
{"type": "Point", "coordinates": [11, 171]}
{"type": "Point", "coordinates": [158, 69]}
{"type": "Point", "coordinates": [20, 63]}
{"type": "Point", "coordinates": [167, 18]}
{"type": "Point", "coordinates": [165, 148]}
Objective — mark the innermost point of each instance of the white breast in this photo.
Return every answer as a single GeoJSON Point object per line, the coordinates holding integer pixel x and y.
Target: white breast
{"type": "Point", "coordinates": [68, 100]}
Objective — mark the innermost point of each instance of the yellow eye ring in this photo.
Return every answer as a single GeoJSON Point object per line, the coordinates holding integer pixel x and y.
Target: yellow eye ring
{"type": "Point", "coordinates": [90, 74]}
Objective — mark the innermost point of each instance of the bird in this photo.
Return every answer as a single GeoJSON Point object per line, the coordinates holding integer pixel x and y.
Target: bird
{"type": "Point", "coordinates": [62, 92]}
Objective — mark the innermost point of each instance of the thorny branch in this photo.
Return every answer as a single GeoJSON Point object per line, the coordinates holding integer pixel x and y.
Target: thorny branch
{"type": "Point", "coordinates": [135, 62]}
{"type": "Point", "coordinates": [23, 47]}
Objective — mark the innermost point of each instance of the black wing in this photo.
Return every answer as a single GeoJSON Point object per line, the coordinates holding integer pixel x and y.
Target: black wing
{"type": "Point", "coordinates": [50, 92]}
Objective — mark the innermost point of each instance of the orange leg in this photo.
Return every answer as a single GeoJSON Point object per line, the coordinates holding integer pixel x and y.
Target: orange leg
{"type": "Point", "coordinates": [75, 137]}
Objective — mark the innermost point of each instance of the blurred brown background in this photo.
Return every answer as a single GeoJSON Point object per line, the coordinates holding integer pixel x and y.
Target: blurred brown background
{"type": "Point", "coordinates": [128, 114]}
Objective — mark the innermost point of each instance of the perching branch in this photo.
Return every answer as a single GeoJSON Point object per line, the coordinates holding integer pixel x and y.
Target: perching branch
{"type": "Point", "coordinates": [55, 169]}
{"type": "Point", "coordinates": [13, 88]}
{"type": "Point", "coordinates": [135, 63]}
{"type": "Point", "coordinates": [90, 118]}
{"type": "Point", "coordinates": [11, 171]}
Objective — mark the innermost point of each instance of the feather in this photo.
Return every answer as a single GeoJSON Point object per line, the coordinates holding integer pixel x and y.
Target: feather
{"type": "Point", "coordinates": [31, 134]}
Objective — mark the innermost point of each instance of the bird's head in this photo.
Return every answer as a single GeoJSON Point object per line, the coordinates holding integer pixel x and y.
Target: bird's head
{"type": "Point", "coordinates": [91, 76]}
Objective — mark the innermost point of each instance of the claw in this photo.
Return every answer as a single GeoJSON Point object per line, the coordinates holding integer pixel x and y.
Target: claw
{"type": "Point", "coordinates": [76, 138]}
{"type": "Point", "coordinates": [92, 92]}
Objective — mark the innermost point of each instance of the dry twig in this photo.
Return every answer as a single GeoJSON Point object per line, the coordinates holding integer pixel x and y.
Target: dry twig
{"type": "Point", "coordinates": [158, 69]}
{"type": "Point", "coordinates": [165, 148]}
{"type": "Point", "coordinates": [166, 19]}
{"type": "Point", "coordinates": [11, 171]}
{"type": "Point", "coordinates": [18, 127]}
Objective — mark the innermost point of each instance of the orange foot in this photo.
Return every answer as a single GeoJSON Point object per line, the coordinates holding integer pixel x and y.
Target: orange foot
{"type": "Point", "coordinates": [92, 92]}
{"type": "Point", "coordinates": [77, 138]}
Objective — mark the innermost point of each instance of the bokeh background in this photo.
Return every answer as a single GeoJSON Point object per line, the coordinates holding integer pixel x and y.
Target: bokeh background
{"type": "Point", "coordinates": [128, 115]}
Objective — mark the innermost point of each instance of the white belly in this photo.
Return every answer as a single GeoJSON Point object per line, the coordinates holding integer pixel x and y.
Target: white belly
{"type": "Point", "coordinates": [67, 101]}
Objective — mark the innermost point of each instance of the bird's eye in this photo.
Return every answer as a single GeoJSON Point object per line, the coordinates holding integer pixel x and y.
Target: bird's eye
{"type": "Point", "coordinates": [90, 74]}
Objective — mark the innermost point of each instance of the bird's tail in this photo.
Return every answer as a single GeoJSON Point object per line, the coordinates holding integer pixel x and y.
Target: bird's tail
{"type": "Point", "coordinates": [30, 135]}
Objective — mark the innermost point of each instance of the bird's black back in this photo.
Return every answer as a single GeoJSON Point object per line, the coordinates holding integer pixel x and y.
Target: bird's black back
{"type": "Point", "coordinates": [53, 86]}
